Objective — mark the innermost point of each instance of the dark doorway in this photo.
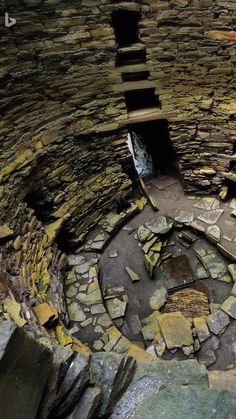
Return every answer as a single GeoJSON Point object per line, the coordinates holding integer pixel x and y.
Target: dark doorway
{"type": "Point", "coordinates": [125, 23]}
{"type": "Point", "coordinates": [140, 99]}
{"type": "Point", "coordinates": [156, 140]}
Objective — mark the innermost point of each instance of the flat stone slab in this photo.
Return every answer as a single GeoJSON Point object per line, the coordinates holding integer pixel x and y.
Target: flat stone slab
{"type": "Point", "coordinates": [229, 306]}
{"type": "Point", "coordinates": [133, 275]}
{"type": "Point", "coordinates": [192, 402]}
{"type": "Point", "coordinates": [159, 298]}
{"type": "Point", "coordinates": [183, 216]}
{"type": "Point", "coordinates": [217, 322]}
{"type": "Point", "coordinates": [176, 330]}
{"type": "Point", "coordinates": [116, 308]}
{"type": "Point", "coordinates": [76, 313]}
{"type": "Point", "coordinates": [214, 233]}
{"type": "Point", "coordinates": [210, 217]}
{"type": "Point", "coordinates": [159, 225]}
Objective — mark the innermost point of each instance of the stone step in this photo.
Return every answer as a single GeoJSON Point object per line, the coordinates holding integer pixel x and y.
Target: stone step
{"type": "Point", "coordinates": [132, 68]}
{"type": "Point", "coordinates": [147, 114]}
{"type": "Point", "coordinates": [134, 85]}
{"type": "Point", "coordinates": [131, 48]}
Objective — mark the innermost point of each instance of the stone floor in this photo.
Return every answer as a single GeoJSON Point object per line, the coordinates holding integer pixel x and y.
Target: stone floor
{"type": "Point", "coordinates": [129, 301]}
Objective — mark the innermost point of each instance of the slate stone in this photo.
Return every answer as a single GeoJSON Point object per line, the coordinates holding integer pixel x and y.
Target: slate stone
{"type": "Point", "coordinates": [232, 271]}
{"type": "Point", "coordinates": [87, 404]}
{"type": "Point", "coordinates": [25, 365]}
{"type": "Point", "coordinates": [60, 358]}
{"type": "Point", "coordinates": [72, 386]}
{"type": "Point", "coordinates": [75, 312]}
{"type": "Point", "coordinates": [149, 377]}
{"type": "Point", "coordinates": [176, 330]}
{"type": "Point", "coordinates": [201, 329]}
{"type": "Point", "coordinates": [133, 275]}
{"type": "Point", "coordinates": [192, 402]}
{"type": "Point", "coordinates": [229, 306]}
{"type": "Point", "coordinates": [214, 233]}
{"type": "Point", "coordinates": [159, 225]}
{"type": "Point", "coordinates": [217, 321]}
{"type": "Point", "coordinates": [210, 217]}
{"type": "Point", "coordinates": [112, 373]}
{"type": "Point", "coordinates": [159, 298]}
{"type": "Point", "coordinates": [116, 308]}
{"type": "Point", "coordinates": [207, 357]}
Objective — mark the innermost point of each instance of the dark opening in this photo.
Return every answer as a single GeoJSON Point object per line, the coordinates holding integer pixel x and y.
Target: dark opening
{"type": "Point", "coordinates": [140, 99]}
{"type": "Point", "coordinates": [155, 136]}
{"type": "Point", "coordinates": [125, 23]}
{"type": "Point", "coordinates": [232, 166]}
{"type": "Point", "coordinates": [42, 206]}
{"type": "Point", "coordinates": [130, 57]}
{"type": "Point", "coordinates": [65, 239]}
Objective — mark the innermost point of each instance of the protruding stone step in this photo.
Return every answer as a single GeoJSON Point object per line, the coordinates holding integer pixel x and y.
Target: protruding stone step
{"type": "Point", "coordinates": [134, 85]}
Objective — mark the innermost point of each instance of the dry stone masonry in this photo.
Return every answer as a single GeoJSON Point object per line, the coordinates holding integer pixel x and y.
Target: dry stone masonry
{"type": "Point", "coordinates": [88, 326]}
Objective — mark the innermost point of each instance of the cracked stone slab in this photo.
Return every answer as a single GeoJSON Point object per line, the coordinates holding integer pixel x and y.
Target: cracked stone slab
{"type": "Point", "coordinates": [229, 306]}
{"type": "Point", "coordinates": [176, 330]}
{"type": "Point", "coordinates": [159, 298]}
{"type": "Point", "coordinates": [217, 322]}
{"type": "Point", "coordinates": [159, 225]}
{"type": "Point", "coordinates": [214, 233]}
{"type": "Point", "coordinates": [183, 216]}
{"type": "Point", "coordinates": [116, 308]}
{"type": "Point", "coordinates": [210, 217]}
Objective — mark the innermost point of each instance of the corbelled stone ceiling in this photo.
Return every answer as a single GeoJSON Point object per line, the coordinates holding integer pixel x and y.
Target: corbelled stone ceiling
{"type": "Point", "coordinates": [118, 209]}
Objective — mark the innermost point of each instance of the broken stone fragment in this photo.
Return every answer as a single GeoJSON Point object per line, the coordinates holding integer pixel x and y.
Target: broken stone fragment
{"type": "Point", "coordinates": [113, 254]}
{"type": "Point", "coordinates": [133, 275]}
{"type": "Point", "coordinates": [150, 330]}
{"type": "Point", "coordinates": [229, 306]}
{"type": "Point", "coordinates": [149, 265]}
{"type": "Point", "coordinates": [75, 312]}
{"type": "Point", "coordinates": [213, 233]}
{"type": "Point", "coordinates": [207, 358]}
{"type": "Point", "coordinates": [159, 225]}
{"type": "Point", "coordinates": [94, 297]}
{"type": "Point", "coordinates": [232, 271]}
{"type": "Point", "coordinates": [116, 308]}
{"type": "Point", "coordinates": [45, 314]}
{"type": "Point", "coordinates": [211, 217]}
{"type": "Point", "coordinates": [6, 233]}
{"type": "Point", "coordinates": [201, 328]}
{"type": "Point", "coordinates": [175, 329]}
{"type": "Point", "coordinates": [217, 321]}
{"type": "Point", "coordinates": [159, 298]}
{"type": "Point", "coordinates": [14, 310]}
{"type": "Point", "coordinates": [149, 244]}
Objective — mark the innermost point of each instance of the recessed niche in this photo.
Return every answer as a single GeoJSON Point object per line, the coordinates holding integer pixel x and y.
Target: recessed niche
{"type": "Point", "coordinates": [125, 23]}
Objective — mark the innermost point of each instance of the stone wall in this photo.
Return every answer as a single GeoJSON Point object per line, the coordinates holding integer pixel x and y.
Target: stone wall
{"type": "Point", "coordinates": [195, 78]}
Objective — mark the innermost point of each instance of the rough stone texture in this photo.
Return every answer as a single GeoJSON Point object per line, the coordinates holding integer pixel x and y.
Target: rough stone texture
{"type": "Point", "coordinates": [217, 321]}
{"type": "Point", "coordinates": [72, 386]}
{"type": "Point", "coordinates": [25, 365]}
{"type": "Point", "coordinates": [112, 373]}
{"type": "Point", "coordinates": [150, 377]}
{"type": "Point", "coordinates": [175, 329]}
{"type": "Point", "coordinates": [88, 404]}
{"type": "Point", "coordinates": [188, 401]}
